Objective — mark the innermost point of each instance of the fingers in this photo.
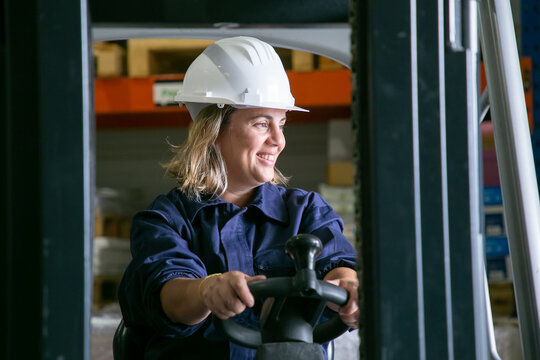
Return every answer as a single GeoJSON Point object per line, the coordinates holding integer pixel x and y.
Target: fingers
{"type": "Point", "coordinates": [228, 294]}
{"type": "Point", "coordinates": [219, 294]}
{"type": "Point", "coordinates": [243, 292]}
{"type": "Point", "coordinates": [349, 312]}
{"type": "Point", "coordinates": [256, 277]}
{"type": "Point", "coordinates": [332, 306]}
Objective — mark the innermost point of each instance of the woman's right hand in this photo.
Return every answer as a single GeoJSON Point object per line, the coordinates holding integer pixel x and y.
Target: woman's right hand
{"type": "Point", "coordinates": [227, 295]}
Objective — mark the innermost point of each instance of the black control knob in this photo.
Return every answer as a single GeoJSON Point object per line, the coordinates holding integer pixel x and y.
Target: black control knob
{"type": "Point", "coordinates": [303, 249]}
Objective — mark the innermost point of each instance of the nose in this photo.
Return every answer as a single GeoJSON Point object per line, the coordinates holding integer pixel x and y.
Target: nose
{"type": "Point", "coordinates": [276, 136]}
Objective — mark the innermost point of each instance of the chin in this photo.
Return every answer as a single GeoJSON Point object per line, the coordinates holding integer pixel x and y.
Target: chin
{"type": "Point", "coordinates": [264, 180]}
{"type": "Point", "coordinates": [269, 178]}
{"type": "Point", "coordinates": [265, 177]}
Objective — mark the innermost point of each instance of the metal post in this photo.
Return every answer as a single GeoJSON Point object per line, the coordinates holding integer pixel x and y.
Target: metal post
{"type": "Point", "coordinates": [415, 113]}
{"type": "Point", "coordinates": [46, 178]}
{"type": "Point", "coordinates": [516, 165]}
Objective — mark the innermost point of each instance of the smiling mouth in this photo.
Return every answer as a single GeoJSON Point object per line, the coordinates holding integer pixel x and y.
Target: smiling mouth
{"type": "Point", "coordinates": [267, 157]}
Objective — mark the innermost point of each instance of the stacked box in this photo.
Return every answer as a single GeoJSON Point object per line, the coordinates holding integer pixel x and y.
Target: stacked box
{"type": "Point", "coordinates": [340, 170]}
{"type": "Point", "coordinates": [112, 225]}
{"type": "Point", "coordinates": [502, 299]}
{"type": "Point", "coordinates": [110, 258]}
{"type": "Point", "coordinates": [111, 255]}
{"type": "Point", "coordinates": [305, 61]}
{"type": "Point", "coordinates": [498, 265]}
{"type": "Point", "coordinates": [328, 64]}
{"type": "Point", "coordinates": [340, 173]}
{"type": "Point", "coordinates": [109, 59]}
{"type": "Point", "coordinates": [341, 199]}
{"type": "Point", "coordinates": [302, 61]}
{"type": "Point", "coordinates": [147, 57]}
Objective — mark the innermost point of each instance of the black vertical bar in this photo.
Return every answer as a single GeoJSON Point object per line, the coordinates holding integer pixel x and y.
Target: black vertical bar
{"type": "Point", "coordinates": [382, 116]}
{"type": "Point", "coordinates": [469, 312]}
{"type": "Point", "coordinates": [432, 192]}
{"type": "Point", "coordinates": [46, 180]}
{"type": "Point", "coordinates": [469, 323]}
{"type": "Point", "coordinates": [67, 177]}
{"type": "Point", "coordinates": [459, 208]}
{"type": "Point", "coordinates": [413, 114]}
{"type": "Point", "coordinates": [458, 187]}
{"type": "Point", "coordinates": [20, 180]}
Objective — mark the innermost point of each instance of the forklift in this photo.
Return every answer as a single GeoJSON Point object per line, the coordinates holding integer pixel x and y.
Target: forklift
{"type": "Point", "coordinates": [416, 110]}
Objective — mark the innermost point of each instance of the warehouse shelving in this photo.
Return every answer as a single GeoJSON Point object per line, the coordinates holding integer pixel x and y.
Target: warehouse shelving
{"type": "Point", "coordinates": [122, 102]}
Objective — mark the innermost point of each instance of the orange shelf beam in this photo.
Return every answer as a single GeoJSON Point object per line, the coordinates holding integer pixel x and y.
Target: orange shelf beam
{"type": "Point", "coordinates": [128, 102]}
{"type": "Point", "coordinates": [321, 88]}
{"type": "Point", "coordinates": [126, 95]}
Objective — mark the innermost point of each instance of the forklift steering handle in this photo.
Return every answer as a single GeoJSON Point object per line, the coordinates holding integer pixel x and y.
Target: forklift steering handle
{"type": "Point", "coordinates": [285, 287]}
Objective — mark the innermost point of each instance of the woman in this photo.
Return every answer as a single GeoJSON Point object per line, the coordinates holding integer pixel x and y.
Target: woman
{"type": "Point", "coordinates": [196, 248]}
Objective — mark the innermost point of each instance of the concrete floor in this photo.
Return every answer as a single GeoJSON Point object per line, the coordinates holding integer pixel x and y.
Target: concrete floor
{"type": "Point", "coordinates": [105, 321]}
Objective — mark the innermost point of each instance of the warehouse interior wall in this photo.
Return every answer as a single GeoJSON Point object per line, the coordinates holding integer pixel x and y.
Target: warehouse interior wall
{"type": "Point", "coordinates": [130, 159]}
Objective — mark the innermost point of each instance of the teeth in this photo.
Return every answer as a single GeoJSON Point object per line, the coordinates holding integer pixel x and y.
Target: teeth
{"type": "Point", "coordinates": [268, 157]}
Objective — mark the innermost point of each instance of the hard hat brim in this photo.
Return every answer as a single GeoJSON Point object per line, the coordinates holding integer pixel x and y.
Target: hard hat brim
{"type": "Point", "coordinates": [289, 108]}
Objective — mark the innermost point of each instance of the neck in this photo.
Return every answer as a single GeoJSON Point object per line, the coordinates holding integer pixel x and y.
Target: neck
{"type": "Point", "coordinates": [238, 197]}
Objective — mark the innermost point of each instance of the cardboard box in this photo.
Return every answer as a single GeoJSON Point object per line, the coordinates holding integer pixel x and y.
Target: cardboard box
{"type": "Point", "coordinates": [112, 225]}
{"type": "Point", "coordinates": [108, 59]}
{"type": "Point", "coordinates": [302, 61]}
{"type": "Point", "coordinates": [502, 299]}
{"type": "Point", "coordinates": [340, 173]}
{"type": "Point", "coordinates": [329, 64]}
{"type": "Point", "coordinates": [98, 224]}
{"type": "Point", "coordinates": [147, 57]}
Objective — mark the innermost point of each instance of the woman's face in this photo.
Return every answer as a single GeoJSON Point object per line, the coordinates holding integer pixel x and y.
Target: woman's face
{"type": "Point", "coordinates": [250, 145]}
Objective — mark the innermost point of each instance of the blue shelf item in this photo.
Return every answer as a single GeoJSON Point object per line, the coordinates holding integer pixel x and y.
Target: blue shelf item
{"type": "Point", "coordinates": [492, 195]}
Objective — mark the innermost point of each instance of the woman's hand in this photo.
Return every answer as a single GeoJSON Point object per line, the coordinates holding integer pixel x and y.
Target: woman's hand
{"type": "Point", "coordinates": [190, 301]}
{"type": "Point", "coordinates": [227, 295]}
{"type": "Point", "coordinates": [348, 280]}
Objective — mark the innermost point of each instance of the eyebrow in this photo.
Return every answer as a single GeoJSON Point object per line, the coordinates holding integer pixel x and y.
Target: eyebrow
{"type": "Point", "coordinates": [266, 117]}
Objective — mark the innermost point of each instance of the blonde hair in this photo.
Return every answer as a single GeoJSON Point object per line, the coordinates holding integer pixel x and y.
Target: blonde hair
{"type": "Point", "coordinates": [197, 164]}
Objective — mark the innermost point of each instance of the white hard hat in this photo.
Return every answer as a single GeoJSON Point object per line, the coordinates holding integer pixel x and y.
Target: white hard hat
{"type": "Point", "coordinates": [240, 71]}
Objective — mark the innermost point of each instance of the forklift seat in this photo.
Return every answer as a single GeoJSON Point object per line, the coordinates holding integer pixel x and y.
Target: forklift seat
{"type": "Point", "coordinates": [128, 343]}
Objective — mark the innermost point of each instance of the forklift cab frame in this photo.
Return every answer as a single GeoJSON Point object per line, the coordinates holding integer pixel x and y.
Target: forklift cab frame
{"type": "Point", "coordinates": [423, 272]}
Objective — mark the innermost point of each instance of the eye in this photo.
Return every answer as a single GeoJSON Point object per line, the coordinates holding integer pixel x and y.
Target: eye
{"type": "Point", "coordinates": [261, 124]}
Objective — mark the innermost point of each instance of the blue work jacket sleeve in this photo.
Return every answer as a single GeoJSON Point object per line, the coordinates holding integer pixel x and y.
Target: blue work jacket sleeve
{"type": "Point", "coordinates": [322, 221]}
{"type": "Point", "coordinates": [161, 251]}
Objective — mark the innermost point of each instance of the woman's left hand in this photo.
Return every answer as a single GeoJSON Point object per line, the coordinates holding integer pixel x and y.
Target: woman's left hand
{"type": "Point", "coordinates": [343, 278]}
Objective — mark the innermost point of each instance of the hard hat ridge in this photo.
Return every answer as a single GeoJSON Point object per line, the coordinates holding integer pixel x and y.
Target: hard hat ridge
{"type": "Point", "coordinates": [257, 51]}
